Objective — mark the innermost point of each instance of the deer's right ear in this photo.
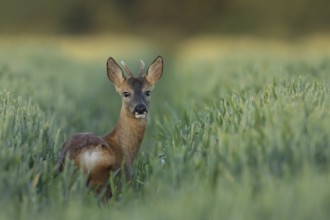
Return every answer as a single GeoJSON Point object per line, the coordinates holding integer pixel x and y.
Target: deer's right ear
{"type": "Point", "coordinates": [115, 73]}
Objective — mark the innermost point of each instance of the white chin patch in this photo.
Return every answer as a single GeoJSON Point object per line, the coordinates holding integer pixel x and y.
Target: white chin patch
{"type": "Point", "coordinates": [140, 115]}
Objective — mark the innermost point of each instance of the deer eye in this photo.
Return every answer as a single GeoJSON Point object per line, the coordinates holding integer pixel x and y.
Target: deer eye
{"type": "Point", "coordinates": [126, 94]}
{"type": "Point", "coordinates": [148, 93]}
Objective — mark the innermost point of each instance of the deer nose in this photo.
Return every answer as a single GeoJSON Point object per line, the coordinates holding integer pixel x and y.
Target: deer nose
{"type": "Point", "coordinates": [140, 109]}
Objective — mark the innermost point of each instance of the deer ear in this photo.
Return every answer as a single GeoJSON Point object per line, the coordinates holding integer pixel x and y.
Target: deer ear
{"type": "Point", "coordinates": [115, 73]}
{"type": "Point", "coordinates": [155, 71]}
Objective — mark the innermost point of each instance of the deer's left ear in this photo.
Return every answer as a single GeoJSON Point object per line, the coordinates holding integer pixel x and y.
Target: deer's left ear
{"type": "Point", "coordinates": [155, 71]}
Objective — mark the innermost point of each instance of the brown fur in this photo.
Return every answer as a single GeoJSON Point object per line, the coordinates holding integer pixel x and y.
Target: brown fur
{"type": "Point", "coordinates": [99, 155]}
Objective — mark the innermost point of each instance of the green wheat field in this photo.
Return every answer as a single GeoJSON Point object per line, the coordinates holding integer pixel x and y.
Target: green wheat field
{"type": "Point", "coordinates": [243, 126]}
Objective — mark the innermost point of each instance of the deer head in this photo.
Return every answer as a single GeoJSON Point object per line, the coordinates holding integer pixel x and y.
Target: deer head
{"type": "Point", "coordinates": [135, 91]}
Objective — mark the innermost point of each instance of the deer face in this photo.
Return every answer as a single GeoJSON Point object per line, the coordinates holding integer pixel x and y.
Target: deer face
{"type": "Point", "coordinates": [136, 96]}
{"type": "Point", "coordinates": [135, 91]}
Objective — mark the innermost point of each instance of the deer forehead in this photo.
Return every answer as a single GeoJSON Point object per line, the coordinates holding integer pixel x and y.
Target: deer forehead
{"type": "Point", "coordinates": [136, 84]}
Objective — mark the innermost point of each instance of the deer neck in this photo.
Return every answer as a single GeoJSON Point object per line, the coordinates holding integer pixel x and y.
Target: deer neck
{"type": "Point", "coordinates": [128, 134]}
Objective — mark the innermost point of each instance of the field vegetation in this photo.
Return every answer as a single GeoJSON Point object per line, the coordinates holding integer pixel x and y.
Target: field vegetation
{"type": "Point", "coordinates": [243, 126]}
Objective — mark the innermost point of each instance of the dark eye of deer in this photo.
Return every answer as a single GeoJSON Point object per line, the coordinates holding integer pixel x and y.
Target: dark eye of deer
{"type": "Point", "coordinates": [148, 93]}
{"type": "Point", "coordinates": [126, 94]}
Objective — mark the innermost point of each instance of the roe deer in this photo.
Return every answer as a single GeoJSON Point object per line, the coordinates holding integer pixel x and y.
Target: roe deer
{"type": "Point", "coordinates": [99, 155]}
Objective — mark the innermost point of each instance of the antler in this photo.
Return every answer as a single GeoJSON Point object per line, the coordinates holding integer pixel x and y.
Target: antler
{"type": "Point", "coordinates": [129, 72]}
{"type": "Point", "coordinates": [141, 68]}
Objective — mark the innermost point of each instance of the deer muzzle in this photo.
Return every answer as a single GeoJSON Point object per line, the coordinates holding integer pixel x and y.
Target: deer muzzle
{"type": "Point", "coordinates": [140, 111]}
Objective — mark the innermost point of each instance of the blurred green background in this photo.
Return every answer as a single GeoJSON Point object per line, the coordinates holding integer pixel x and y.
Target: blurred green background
{"type": "Point", "coordinates": [270, 18]}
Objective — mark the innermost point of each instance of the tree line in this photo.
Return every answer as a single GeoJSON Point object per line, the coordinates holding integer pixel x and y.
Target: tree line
{"type": "Point", "coordinates": [185, 16]}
